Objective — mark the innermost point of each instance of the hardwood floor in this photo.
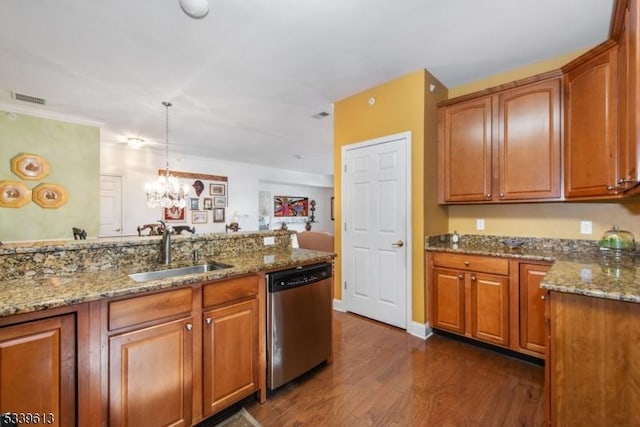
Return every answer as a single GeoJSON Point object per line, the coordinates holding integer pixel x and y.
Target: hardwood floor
{"type": "Point", "coordinates": [382, 376]}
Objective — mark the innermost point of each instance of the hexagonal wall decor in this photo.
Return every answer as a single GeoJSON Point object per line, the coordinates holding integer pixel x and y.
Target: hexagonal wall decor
{"type": "Point", "coordinates": [29, 166]}
{"type": "Point", "coordinates": [13, 194]}
{"type": "Point", "coordinates": [50, 196]}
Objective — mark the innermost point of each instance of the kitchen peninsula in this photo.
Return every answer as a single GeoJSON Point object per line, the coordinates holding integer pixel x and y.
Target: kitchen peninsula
{"type": "Point", "coordinates": [94, 341]}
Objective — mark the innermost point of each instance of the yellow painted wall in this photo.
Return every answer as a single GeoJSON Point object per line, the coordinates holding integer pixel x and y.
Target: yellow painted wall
{"type": "Point", "coordinates": [400, 106]}
{"type": "Point", "coordinates": [560, 220]}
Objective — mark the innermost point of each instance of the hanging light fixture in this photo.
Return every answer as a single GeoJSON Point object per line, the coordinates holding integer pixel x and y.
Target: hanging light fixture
{"type": "Point", "coordinates": [196, 9]}
{"type": "Point", "coordinates": [167, 192]}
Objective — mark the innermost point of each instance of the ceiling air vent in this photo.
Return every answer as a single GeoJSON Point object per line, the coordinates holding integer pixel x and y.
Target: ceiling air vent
{"type": "Point", "coordinates": [28, 98]}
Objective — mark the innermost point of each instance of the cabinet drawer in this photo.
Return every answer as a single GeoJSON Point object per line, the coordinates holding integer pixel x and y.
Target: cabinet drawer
{"type": "Point", "coordinates": [229, 290]}
{"type": "Point", "coordinates": [149, 307]}
{"type": "Point", "coordinates": [483, 264]}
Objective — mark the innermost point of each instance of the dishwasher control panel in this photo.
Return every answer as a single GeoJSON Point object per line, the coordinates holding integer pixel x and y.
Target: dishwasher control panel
{"type": "Point", "coordinates": [306, 275]}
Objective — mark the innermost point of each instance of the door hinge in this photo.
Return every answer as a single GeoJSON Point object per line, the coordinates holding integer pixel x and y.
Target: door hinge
{"type": "Point", "coordinates": [345, 226]}
{"type": "Point", "coordinates": [345, 284]}
{"type": "Point", "coordinates": [345, 168]}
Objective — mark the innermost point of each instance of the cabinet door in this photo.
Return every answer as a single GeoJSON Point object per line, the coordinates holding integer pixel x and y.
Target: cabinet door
{"type": "Point", "coordinates": [150, 373]}
{"type": "Point", "coordinates": [532, 320]}
{"type": "Point", "coordinates": [629, 94]}
{"type": "Point", "coordinates": [448, 300]}
{"type": "Point", "coordinates": [230, 358]}
{"type": "Point", "coordinates": [591, 126]}
{"type": "Point", "coordinates": [37, 370]}
{"type": "Point", "coordinates": [529, 142]}
{"type": "Point", "coordinates": [465, 145]}
{"type": "Point", "coordinates": [490, 308]}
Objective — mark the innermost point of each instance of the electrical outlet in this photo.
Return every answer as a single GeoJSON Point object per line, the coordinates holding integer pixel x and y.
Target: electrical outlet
{"type": "Point", "coordinates": [268, 241]}
{"type": "Point", "coordinates": [586, 227]}
{"type": "Point", "coordinates": [479, 224]}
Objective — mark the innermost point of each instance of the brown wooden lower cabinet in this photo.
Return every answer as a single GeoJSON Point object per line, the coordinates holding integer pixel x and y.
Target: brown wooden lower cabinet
{"type": "Point", "coordinates": [531, 315]}
{"type": "Point", "coordinates": [150, 375]}
{"type": "Point", "coordinates": [38, 371]}
{"type": "Point", "coordinates": [497, 300]}
{"type": "Point", "coordinates": [490, 308]}
{"type": "Point", "coordinates": [230, 357]}
{"type": "Point", "coordinates": [593, 361]}
{"type": "Point", "coordinates": [178, 356]}
{"type": "Point", "coordinates": [473, 303]}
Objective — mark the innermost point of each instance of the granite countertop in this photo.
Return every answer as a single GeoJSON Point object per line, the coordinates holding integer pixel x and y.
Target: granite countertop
{"type": "Point", "coordinates": [29, 294]}
{"type": "Point", "coordinates": [578, 267]}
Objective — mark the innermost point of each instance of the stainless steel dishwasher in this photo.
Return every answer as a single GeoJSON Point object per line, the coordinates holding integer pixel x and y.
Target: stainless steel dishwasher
{"type": "Point", "coordinates": [298, 322]}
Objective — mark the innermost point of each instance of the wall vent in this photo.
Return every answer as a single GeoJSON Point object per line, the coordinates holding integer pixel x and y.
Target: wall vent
{"type": "Point", "coordinates": [28, 98]}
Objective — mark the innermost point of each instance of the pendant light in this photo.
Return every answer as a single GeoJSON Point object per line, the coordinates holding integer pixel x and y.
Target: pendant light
{"type": "Point", "coordinates": [196, 9]}
{"type": "Point", "coordinates": [167, 192]}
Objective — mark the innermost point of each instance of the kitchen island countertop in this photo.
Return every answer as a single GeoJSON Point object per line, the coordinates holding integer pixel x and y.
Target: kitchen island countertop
{"type": "Point", "coordinates": [28, 294]}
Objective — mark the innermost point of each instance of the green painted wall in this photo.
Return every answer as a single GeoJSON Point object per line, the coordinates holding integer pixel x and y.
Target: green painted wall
{"type": "Point", "coordinates": [73, 153]}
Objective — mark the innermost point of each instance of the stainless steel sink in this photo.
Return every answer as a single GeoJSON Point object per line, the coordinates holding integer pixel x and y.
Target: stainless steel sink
{"type": "Point", "coordinates": [147, 276]}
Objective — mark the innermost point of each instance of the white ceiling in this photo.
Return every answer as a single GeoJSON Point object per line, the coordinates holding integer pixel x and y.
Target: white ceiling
{"type": "Point", "coordinates": [246, 79]}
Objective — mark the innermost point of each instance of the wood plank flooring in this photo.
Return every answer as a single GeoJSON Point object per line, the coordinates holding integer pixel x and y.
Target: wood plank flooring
{"type": "Point", "coordinates": [382, 376]}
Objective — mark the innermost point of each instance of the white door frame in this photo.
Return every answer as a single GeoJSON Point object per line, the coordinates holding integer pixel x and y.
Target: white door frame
{"type": "Point", "coordinates": [406, 136]}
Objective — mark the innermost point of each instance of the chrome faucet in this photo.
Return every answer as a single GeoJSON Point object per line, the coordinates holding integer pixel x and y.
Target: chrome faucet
{"type": "Point", "coordinates": [165, 244]}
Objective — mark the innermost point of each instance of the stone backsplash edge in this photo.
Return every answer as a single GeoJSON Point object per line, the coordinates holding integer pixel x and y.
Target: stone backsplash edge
{"type": "Point", "coordinates": [66, 257]}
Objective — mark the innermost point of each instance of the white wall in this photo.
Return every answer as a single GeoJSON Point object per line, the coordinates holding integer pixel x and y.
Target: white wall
{"type": "Point", "coordinates": [244, 183]}
{"type": "Point", "coordinates": [322, 196]}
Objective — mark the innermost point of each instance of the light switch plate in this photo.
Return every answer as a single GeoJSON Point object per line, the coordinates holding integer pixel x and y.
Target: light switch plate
{"type": "Point", "coordinates": [479, 224]}
{"type": "Point", "coordinates": [268, 241]}
{"type": "Point", "coordinates": [586, 227]}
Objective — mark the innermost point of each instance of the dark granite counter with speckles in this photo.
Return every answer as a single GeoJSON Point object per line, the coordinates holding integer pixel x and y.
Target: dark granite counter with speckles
{"type": "Point", "coordinates": [578, 267]}
{"type": "Point", "coordinates": [41, 275]}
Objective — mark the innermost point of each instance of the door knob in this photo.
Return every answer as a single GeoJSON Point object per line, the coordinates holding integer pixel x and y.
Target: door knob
{"type": "Point", "coordinates": [398, 244]}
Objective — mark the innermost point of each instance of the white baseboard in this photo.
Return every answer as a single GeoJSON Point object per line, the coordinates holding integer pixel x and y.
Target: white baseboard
{"type": "Point", "coordinates": [338, 305]}
{"type": "Point", "coordinates": [420, 330]}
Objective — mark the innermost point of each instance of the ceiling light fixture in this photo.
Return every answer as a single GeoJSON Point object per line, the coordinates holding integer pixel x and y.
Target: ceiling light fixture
{"type": "Point", "coordinates": [167, 192]}
{"type": "Point", "coordinates": [197, 9]}
{"type": "Point", "coordinates": [135, 143]}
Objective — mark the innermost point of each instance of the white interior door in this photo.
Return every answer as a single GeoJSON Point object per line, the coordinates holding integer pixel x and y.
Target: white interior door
{"type": "Point", "coordinates": [110, 205]}
{"type": "Point", "coordinates": [376, 213]}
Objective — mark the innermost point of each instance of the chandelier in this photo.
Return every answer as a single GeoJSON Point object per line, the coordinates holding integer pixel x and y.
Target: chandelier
{"type": "Point", "coordinates": [166, 192]}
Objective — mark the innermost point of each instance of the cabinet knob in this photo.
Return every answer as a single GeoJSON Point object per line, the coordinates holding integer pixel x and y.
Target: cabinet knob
{"type": "Point", "coordinates": [501, 195]}
{"type": "Point", "coordinates": [208, 320]}
{"type": "Point", "coordinates": [188, 326]}
{"type": "Point", "coordinates": [488, 196]}
{"type": "Point", "coordinates": [460, 276]}
{"type": "Point", "coordinates": [611, 187]}
{"type": "Point", "coordinates": [473, 278]}
{"type": "Point", "coordinates": [467, 263]}
{"type": "Point", "coordinates": [542, 297]}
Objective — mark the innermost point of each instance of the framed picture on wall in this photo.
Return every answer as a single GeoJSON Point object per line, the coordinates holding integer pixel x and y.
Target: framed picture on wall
{"type": "Point", "coordinates": [207, 203]}
{"type": "Point", "coordinates": [219, 202]}
{"type": "Point", "coordinates": [199, 217]}
{"type": "Point", "coordinates": [173, 214]}
{"type": "Point", "coordinates": [290, 206]}
{"type": "Point", "coordinates": [195, 204]}
{"type": "Point", "coordinates": [217, 189]}
{"type": "Point", "coordinates": [218, 214]}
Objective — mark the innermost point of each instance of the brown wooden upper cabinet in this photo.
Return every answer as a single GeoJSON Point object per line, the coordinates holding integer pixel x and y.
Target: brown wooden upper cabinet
{"type": "Point", "coordinates": [591, 86]}
{"type": "Point", "coordinates": [629, 96]}
{"type": "Point", "coordinates": [601, 113]}
{"type": "Point", "coordinates": [503, 144]}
